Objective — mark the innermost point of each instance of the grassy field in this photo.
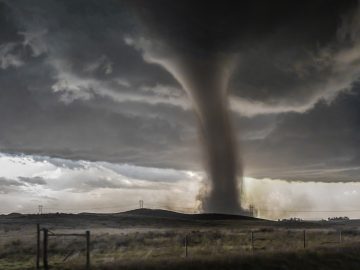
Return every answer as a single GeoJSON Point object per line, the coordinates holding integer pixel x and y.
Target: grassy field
{"type": "Point", "coordinates": [344, 257]}
{"type": "Point", "coordinates": [148, 242]}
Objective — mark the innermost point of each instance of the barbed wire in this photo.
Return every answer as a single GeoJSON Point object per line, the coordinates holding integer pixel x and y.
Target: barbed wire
{"type": "Point", "coordinates": [28, 235]}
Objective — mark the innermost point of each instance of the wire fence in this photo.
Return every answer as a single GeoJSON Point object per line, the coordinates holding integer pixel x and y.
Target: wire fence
{"type": "Point", "coordinates": [67, 248]}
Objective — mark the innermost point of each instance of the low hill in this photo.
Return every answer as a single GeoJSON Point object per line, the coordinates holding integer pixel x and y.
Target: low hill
{"type": "Point", "coordinates": [160, 213]}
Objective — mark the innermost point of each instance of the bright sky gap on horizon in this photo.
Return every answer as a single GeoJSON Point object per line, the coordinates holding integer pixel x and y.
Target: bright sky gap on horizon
{"type": "Point", "coordinates": [37, 181]}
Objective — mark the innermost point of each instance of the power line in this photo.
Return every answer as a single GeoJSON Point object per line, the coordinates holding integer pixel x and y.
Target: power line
{"type": "Point", "coordinates": [89, 208]}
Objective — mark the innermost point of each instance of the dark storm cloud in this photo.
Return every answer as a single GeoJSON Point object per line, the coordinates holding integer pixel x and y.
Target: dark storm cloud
{"type": "Point", "coordinates": [36, 122]}
{"type": "Point", "coordinates": [7, 26]}
{"type": "Point", "coordinates": [65, 100]}
{"type": "Point", "coordinates": [292, 63]}
{"type": "Point", "coordinates": [220, 26]}
{"type": "Point", "coordinates": [72, 87]}
{"type": "Point", "coordinates": [84, 130]}
{"type": "Point", "coordinates": [319, 145]}
{"type": "Point", "coordinates": [8, 39]}
{"type": "Point", "coordinates": [88, 41]}
{"type": "Point", "coordinates": [288, 55]}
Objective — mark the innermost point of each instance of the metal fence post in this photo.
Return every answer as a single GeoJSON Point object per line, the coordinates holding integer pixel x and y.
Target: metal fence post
{"type": "Point", "coordinates": [304, 238]}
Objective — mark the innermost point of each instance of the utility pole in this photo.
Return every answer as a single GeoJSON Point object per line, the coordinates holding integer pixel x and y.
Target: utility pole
{"type": "Point", "coordinates": [141, 204]}
{"type": "Point", "coordinates": [40, 208]}
{"type": "Point", "coordinates": [251, 210]}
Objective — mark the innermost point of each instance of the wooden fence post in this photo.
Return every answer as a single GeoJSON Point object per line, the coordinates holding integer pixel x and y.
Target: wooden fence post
{"type": "Point", "coordinates": [37, 246]}
{"type": "Point", "coordinates": [87, 250]}
{"type": "Point", "coordinates": [304, 238]}
{"type": "Point", "coordinates": [186, 245]}
{"type": "Point", "coordinates": [45, 249]}
{"type": "Point", "coordinates": [340, 236]}
{"type": "Point", "coordinates": [252, 241]}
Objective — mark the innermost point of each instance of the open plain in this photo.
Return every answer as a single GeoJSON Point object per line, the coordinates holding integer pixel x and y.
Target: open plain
{"type": "Point", "coordinates": [159, 239]}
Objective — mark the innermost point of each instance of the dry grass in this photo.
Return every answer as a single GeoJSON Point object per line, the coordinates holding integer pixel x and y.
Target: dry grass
{"type": "Point", "coordinates": [164, 249]}
{"type": "Point", "coordinates": [344, 257]}
{"type": "Point", "coordinates": [122, 242]}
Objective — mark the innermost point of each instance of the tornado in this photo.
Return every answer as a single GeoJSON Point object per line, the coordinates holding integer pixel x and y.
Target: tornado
{"type": "Point", "coordinates": [204, 73]}
{"type": "Point", "coordinates": [206, 81]}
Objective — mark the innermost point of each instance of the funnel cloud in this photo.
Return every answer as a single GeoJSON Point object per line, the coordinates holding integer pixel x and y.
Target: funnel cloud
{"type": "Point", "coordinates": [205, 78]}
{"type": "Point", "coordinates": [206, 83]}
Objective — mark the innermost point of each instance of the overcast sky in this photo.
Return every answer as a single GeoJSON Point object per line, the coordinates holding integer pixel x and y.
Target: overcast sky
{"type": "Point", "coordinates": [90, 119]}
